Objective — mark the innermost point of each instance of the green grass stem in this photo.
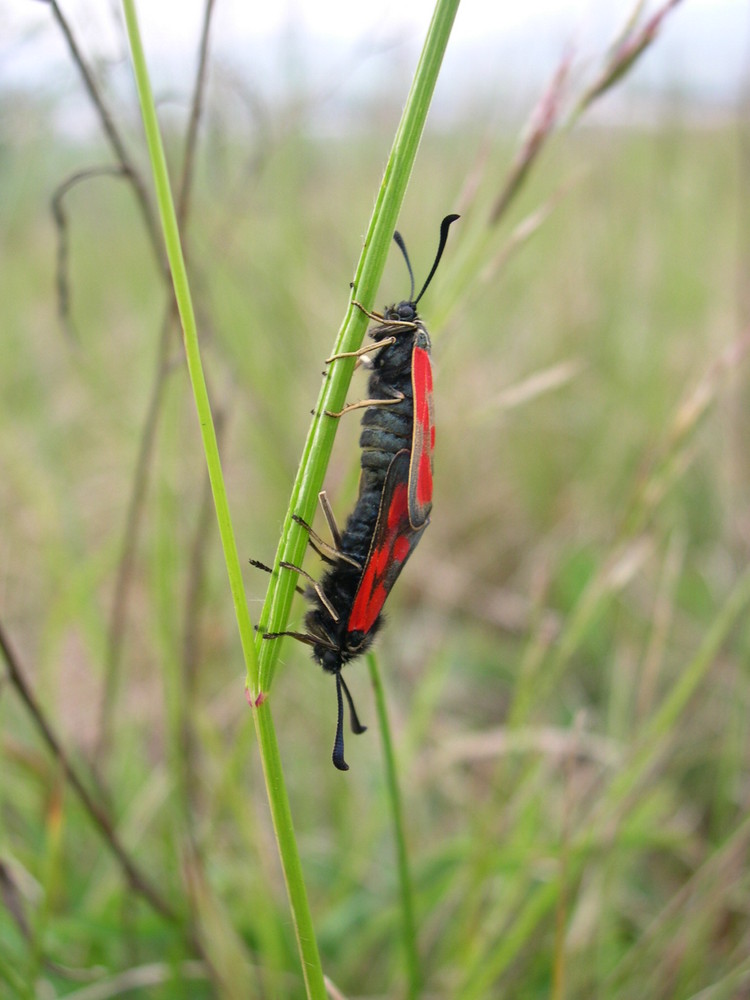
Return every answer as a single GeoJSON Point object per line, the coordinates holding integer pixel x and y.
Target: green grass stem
{"type": "Point", "coordinates": [190, 337]}
{"type": "Point", "coordinates": [275, 786]}
{"type": "Point", "coordinates": [319, 443]}
{"type": "Point", "coordinates": [408, 920]}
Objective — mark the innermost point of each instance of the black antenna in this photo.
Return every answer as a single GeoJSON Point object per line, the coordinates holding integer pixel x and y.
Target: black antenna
{"type": "Point", "coordinates": [357, 727]}
{"type": "Point", "coordinates": [444, 227]}
{"type": "Point", "coordinates": [399, 241]}
{"type": "Point", "coordinates": [338, 744]}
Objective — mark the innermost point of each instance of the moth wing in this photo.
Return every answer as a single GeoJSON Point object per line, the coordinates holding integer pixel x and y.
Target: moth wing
{"type": "Point", "coordinates": [423, 439]}
{"type": "Point", "coordinates": [393, 541]}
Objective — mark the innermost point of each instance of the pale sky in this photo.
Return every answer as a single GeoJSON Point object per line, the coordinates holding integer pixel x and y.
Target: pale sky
{"type": "Point", "coordinates": [175, 22]}
{"type": "Point", "coordinates": [706, 38]}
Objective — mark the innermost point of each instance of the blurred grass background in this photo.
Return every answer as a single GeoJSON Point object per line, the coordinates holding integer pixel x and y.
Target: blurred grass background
{"type": "Point", "coordinates": [566, 656]}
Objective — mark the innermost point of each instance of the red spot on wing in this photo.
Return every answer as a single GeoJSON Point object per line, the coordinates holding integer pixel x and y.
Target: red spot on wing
{"type": "Point", "coordinates": [392, 543]}
{"type": "Point", "coordinates": [401, 549]}
{"type": "Point", "coordinates": [424, 481]}
{"type": "Point", "coordinates": [423, 439]}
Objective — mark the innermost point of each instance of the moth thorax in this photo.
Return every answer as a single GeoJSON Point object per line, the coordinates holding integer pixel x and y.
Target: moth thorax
{"type": "Point", "coordinates": [422, 338]}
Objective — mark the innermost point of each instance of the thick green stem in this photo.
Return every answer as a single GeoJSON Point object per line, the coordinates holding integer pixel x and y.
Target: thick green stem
{"type": "Point", "coordinates": [317, 450]}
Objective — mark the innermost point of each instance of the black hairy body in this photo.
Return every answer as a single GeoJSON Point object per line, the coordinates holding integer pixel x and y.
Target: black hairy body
{"type": "Point", "coordinates": [345, 613]}
{"type": "Point", "coordinates": [386, 430]}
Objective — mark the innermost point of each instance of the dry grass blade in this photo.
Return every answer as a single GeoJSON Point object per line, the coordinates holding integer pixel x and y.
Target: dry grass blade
{"type": "Point", "coordinates": [541, 126]}
{"type": "Point", "coordinates": [140, 977]}
{"type": "Point", "coordinates": [543, 740]}
{"type": "Point", "coordinates": [535, 385]}
{"type": "Point", "coordinates": [629, 48]}
{"type": "Point", "coordinates": [62, 276]}
{"type": "Point", "coordinates": [103, 822]}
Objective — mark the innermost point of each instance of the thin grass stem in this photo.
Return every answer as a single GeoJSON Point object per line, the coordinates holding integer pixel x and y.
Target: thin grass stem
{"type": "Point", "coordinates": [190, 335]}
{"type": "Point", "coordinates": [275, 786]}
{"type": "Point", "coordinates": [317, 449]}
{"type": "Point", "coordinates": [408, 919]}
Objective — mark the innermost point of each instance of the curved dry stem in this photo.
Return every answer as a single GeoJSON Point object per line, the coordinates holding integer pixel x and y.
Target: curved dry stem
{"type": "Point", "coordinates": [113, 135]}
{"type": "Point", "coordinates": [100, 818]}
{"type": "Point", "coordinates": [61, 226]}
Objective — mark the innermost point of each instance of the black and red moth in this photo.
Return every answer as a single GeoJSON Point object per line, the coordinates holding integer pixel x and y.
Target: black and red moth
{"type": "Point", "coordinates": [395, 495]}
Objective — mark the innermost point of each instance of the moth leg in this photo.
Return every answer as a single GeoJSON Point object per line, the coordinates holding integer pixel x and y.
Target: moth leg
{"type": "Point", "coordinates": [318, 544]}
{"type": "Point", "coordinates": [367, 349]}
{"type": "Point", "coordinates": [365, 402]}
{"type": "Point", "coordinates": [309, 640]}
{"type": "Point", "coordinates": [260, 565]}
{"type": "Point", "coordinates": [316, 587]}
{"type": "Point", "coordinates": [379, 318]}
{"type": "Point", "coordinates": [267, 569]}
{"type": "Point", "coordinates": [325, 506]}
{"type": "Point", "coordinates": [327, 552]}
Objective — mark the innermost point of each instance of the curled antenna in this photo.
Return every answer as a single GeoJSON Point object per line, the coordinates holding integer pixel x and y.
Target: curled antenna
{"type": "Point", "coordinates": [444, 227]}
{"type": "Point", "coordinates": [357, 727]}
{"type": "Point", "coordinates": [399, 240]}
